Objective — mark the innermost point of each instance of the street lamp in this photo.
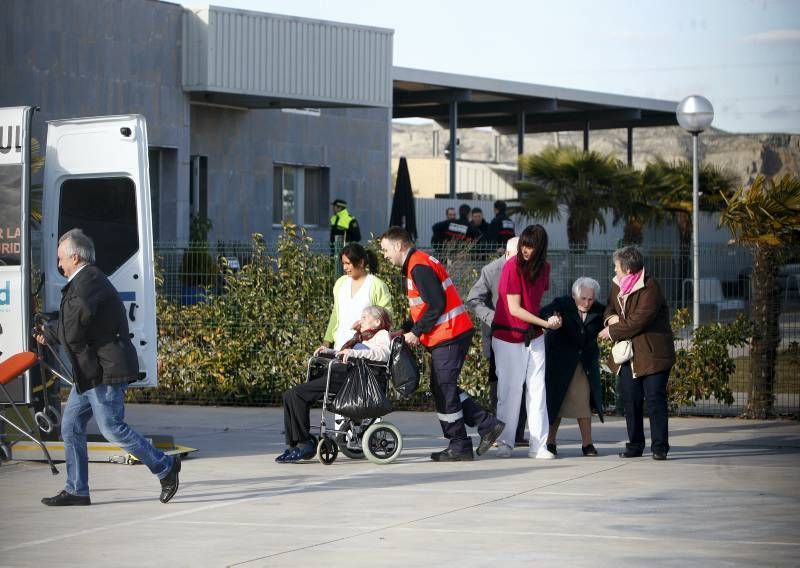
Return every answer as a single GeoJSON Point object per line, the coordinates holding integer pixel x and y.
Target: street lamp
{"type": "Point", "coordinates": [695, 114]}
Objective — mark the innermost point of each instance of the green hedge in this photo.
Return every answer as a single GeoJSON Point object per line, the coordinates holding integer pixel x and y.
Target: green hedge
{"type": "Point", "coordinates": [250, 341]}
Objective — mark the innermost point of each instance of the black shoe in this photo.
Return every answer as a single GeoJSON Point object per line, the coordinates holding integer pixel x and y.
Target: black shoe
{"type": "Point", "coordinates": [169, 485]}
{"type": "Point", "coordinates": [659, 456]}
{"type": "Point", "coordinates": [490, 437]}
{"type": "Point", "coordinates": [552, 449]}
{"type": "Point", "coordinates": [65, 499]}
{"type": "Point", "coordinates": [630, 453]}
{"type": "Point", "coordinates": [589, 450]}
{"type": "Point", "coordinates": [449, 455]}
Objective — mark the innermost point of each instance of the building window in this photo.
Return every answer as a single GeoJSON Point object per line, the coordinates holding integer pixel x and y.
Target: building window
{"type": "Point", "coordinates": [308, 111]}
{"type": "Point", "coordinates": [198, 182]}
{"type": "Point", "coordinates": [300, 195]}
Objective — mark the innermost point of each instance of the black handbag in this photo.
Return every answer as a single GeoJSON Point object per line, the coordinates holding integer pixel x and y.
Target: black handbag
{"type": "Point", "coordinates": [362, 395]}
{"type": "Point", "coordinates": [404, 369]}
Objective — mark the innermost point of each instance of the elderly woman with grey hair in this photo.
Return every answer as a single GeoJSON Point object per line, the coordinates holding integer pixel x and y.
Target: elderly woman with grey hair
{"type": "Point", "coordinates": [572, 375]}
{"type": "Point", "coordinates": [637, 311]}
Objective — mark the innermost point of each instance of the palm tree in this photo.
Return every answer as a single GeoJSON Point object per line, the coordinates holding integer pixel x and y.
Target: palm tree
{"type": "Point", "coordinates": [634, 206]}
{"type": "Point", "coordinates": [584, 181]}
{"type": "Point", "coordinates": [765, 217]}
{"type": "Point", "coordinates": [670, 185]}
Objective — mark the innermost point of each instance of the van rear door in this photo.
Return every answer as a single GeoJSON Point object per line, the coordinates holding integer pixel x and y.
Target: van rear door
{"type": "Point", "coordinates": [96, 178]}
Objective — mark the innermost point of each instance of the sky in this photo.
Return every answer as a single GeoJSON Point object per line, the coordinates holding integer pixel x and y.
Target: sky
{"type": "Point", "coordinates": [742, 55]}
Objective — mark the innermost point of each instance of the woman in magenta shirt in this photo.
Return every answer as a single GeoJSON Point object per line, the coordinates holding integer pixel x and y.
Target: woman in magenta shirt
{"type": "Point", "coordinates": [518, 342]}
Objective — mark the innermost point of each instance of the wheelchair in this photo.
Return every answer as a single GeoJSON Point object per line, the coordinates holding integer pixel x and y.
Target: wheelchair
{"type": "Point", "coordinates": [372, 438]}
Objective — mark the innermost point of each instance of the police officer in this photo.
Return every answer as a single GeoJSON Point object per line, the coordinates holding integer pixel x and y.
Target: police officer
{"type": "Point", "coordinates": [461, 229]}
{"type": "Point", "coordinates": [439, 321]}
{"type": "Point", "coordinates": [439, 230]}
{"type": "Point", "coordinates": [342, 223]}
{"type": "Point", "coordinates": [502, 227]}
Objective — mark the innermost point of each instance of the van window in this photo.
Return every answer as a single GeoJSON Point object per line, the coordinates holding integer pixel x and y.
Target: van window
{"type": "Point", "coordinates": [10, 214]}
{"type": "Point", "coordinates": [105, 208]}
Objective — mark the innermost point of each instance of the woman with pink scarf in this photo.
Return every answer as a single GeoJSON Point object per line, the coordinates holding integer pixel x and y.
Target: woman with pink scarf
{"type": "Point", "coordinates": [637, 311]}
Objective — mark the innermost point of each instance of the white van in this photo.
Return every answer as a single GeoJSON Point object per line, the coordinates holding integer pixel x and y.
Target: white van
{"type": "Point", "coordinates": [96, 178]}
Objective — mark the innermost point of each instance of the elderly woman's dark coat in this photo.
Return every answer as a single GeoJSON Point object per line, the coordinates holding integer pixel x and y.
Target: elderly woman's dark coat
{"type": "Point", "coordinates": [575, 341]}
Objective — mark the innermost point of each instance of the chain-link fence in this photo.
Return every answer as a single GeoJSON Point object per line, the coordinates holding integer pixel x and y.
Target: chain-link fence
{"type": "Point", "coordinates": [212, 326]}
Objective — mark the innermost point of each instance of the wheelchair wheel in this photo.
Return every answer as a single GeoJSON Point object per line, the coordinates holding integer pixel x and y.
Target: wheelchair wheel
{"type": "Point", "coordinates": [382, 443]}
{"type": "Point", "coordinates": [327, 450]}
{"type": "Point", "coordinates": [352, 453]}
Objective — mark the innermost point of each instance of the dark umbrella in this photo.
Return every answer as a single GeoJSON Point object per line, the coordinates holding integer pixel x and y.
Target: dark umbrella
{"type": "Point", "coordinates": [403, 213]}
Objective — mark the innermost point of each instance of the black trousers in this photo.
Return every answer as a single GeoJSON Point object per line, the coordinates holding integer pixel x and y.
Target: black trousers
{"type": "Point", "coordinates": [523, 410]}
{"type": "Point", "coordinates": [652, 388]}
{"type": "Point", "coordinates": [455, 408]}
{"type": "Point", "coordinates": [298, 400]}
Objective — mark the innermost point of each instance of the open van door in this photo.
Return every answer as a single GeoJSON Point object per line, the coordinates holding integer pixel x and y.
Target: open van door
{"type": "Point", "coordinates": [15, 256]}
{"type": "Point", "coordinates": [96, 178]}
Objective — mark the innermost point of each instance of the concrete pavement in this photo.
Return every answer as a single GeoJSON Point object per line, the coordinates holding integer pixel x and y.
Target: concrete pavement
{"type": "Point", "coordinates": [728, 495]}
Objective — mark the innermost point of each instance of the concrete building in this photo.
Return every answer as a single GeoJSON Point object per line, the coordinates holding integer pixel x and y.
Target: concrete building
{"type": "Point", "coordinates": [252, 118]}
{"type": "Point", "coordinates": [256, 118]}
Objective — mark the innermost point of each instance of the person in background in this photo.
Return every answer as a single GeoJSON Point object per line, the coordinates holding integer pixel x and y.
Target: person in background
{"type": "Point", "coordinates": [439, 321]}
{"type": "Point", "coordinates": [344, 224]}
{"type": "Point", "coordinates": [461, 229]}
{"type": "Point", "coordinates": [481, 301]}
{"type": "Point", "coordinates": [502, 227]}
{"type": "Point", "coordinates": [572, 376]}
{"type": "Point", "coordinates": [439, 230]}
{"type": "Point", "coordinates": [518, 343]}
{"type": "Point", "coordinates": [93, 328]}
{"type": "Point", "coordinates": [479, 225]}
{"type": "Point", "coordinates": [637, 310]}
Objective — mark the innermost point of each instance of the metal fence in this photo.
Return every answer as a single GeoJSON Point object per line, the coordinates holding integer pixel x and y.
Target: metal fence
{"type": "Point", "coordinates": [190, 276]}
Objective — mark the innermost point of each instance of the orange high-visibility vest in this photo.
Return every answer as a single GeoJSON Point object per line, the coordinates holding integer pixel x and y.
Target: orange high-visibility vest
{"type": "Point", "coordinates": [454, 320]}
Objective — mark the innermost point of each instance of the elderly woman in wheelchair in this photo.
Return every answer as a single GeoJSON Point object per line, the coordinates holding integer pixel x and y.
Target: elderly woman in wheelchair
{"type": "Point", "coordinates": [328, 371]}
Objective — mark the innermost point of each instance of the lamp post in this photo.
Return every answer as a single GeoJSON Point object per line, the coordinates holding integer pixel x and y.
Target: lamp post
{"type": "Point", "coordinates": [695, 114]}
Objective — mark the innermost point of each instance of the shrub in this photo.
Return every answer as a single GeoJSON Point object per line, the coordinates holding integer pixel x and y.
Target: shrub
{"type": "Point", "coordinates": [251, 342]}
{"type": "Point", "coordinates": [704, 366]}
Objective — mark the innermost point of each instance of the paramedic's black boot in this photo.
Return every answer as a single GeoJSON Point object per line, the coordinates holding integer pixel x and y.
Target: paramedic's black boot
{"type": "Point", "coordinates": [449, 455]}
{"type": "Point", "coordinates": [490, 437]}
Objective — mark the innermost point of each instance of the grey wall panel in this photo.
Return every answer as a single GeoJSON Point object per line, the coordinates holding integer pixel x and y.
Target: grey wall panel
{"type": "Point", "coordinates": [78, 58]}
{"type": "Point", "coordinates": [243, 147]}
{"type": "Point", "coordinates": [281, 57]}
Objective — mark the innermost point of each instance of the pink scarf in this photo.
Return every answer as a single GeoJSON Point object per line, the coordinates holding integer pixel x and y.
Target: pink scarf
{"type": "Point", "coordinates": [627, 282]}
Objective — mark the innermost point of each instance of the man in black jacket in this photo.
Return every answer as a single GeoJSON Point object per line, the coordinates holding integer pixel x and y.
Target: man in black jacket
{"type": "Point", "coordinates": [93, 328]}
{"type": "Point", "coordinates": [502, 227]}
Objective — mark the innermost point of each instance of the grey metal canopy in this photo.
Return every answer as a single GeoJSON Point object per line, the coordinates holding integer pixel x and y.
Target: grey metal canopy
{"type": "Point", "coordinates": [461, 101]}
{"type": "Point", "coordinates": [502, 104]}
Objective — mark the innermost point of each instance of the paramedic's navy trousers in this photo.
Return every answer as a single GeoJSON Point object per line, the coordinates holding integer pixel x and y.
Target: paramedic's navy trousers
{"type": "Point", "coordinates": [455, 408]}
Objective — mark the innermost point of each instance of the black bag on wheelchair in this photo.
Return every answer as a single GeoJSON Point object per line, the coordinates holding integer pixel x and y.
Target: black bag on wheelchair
{"type": "Point", "coordinates": [362, 395]}
{"type": "Point", "coordinates": [404, 369]}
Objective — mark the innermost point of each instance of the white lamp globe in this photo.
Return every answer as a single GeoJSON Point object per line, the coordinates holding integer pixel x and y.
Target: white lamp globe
{"type": "Point", "coordinates": [695, 113]}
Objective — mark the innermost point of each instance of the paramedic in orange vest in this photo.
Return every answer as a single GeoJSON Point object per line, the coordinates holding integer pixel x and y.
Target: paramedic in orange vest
{"type": "Point", "coordinates": [440, 322]}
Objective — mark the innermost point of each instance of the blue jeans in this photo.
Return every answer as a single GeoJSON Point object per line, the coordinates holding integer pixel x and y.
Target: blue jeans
{"type": "Point", "coordinates": [106, 403]}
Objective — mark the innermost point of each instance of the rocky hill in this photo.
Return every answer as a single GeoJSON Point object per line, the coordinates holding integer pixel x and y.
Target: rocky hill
{"type": "Point", "coordinates": [746, 155]}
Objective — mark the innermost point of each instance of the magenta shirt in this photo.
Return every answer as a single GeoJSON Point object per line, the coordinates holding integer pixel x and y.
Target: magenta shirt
{"type": "Point", "coordinates": [512, 282]}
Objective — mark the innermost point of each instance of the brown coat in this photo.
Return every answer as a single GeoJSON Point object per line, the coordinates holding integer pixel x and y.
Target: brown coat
{"type": "Point", "coordinates": [644, 320]}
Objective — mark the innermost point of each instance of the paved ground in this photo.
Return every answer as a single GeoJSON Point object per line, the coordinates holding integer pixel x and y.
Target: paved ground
{"type": "Point", "coordinates": [728, 495]}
